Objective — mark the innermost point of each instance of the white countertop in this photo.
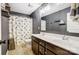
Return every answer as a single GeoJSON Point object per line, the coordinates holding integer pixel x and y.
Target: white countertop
{"type": "Point", "coordinates": [70, 43]}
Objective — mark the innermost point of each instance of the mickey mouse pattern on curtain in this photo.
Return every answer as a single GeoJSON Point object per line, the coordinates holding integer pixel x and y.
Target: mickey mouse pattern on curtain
{"type": "Point", "coordinates": [20, 28]}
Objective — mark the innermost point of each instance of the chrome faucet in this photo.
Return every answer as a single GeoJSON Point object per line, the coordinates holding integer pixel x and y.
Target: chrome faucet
{"type": "Point", "coordinates": [65, 37]}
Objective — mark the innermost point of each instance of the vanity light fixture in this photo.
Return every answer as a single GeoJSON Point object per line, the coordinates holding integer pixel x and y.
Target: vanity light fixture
{"type": "Point", "coordinates": [61, 22]}
{"type": "Point", "coordinates": [56, 21]}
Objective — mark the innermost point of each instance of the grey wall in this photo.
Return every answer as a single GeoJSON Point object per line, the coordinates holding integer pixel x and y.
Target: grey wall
{"type": "Point", "coordinates": [36, 22]}
{"type": "Point", "coordinates": [51, 26]}
{"type": "Point", "coordinates": [37, 19]}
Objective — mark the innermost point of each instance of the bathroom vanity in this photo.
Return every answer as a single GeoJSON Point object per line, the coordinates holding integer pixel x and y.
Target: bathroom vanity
{"type": "Point", "coordinates": [44, 45]}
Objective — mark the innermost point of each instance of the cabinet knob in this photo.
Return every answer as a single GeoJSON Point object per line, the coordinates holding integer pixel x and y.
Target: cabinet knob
{"type": "Point", "coordinates": [45, 52]}
{"type": "Point", "coordinates": [40, 43]}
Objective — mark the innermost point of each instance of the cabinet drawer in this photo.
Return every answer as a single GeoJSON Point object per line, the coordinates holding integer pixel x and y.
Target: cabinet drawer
{"type": "Point", "coordinates": [41, 49]}
{"type": "Point", "coordinates": [48, 52]}
{"type": "Point", "coordinates": [50, 47]}
{"type": "Point", "coordinates": [57, 50]}
{"type": "Point", "coordinates": [41, 42]}
{"type": "Point", "coordinates": [35, 39]}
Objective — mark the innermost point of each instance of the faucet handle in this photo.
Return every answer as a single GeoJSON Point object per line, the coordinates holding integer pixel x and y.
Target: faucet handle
{"type": "Point", "coordinates": [66, 37]}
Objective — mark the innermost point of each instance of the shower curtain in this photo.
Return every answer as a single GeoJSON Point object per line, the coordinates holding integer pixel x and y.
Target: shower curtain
{"type": "Point", "coordinates": [20, 28]}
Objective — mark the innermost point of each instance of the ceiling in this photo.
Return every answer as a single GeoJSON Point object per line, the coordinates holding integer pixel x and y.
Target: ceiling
{"type": "Point", "coordinates": [25, 8]}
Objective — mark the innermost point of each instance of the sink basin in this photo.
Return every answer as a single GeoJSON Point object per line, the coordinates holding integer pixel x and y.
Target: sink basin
{"type": "Point", "coordinates": [52, 36]}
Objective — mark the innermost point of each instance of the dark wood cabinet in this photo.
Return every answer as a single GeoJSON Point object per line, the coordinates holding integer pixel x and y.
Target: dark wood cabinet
{"type": "Point", "coordinates": [41, 47]}
{"type": "Point", "coordinates": [57, 50]}
{"type": "Point", "coordinates": [35, 47]}
{"type": "Point", "coordinates": [48, 52]}
{"type": "Point", "coordinates": [41, 42]}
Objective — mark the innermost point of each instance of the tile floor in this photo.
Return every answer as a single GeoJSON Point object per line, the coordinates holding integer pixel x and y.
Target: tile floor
{"type": "Point", "coordinates": [21, 49]}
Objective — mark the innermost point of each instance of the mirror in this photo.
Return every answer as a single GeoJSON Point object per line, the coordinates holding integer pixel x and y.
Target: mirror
{"type": "Point", "coordinates": [43, 25]}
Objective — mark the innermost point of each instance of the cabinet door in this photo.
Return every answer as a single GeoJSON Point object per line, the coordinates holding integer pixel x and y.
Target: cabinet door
{"type": "Point", "coordinates": [41, 49]}
{"type": "Point", "coordinates": [35, 47]}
